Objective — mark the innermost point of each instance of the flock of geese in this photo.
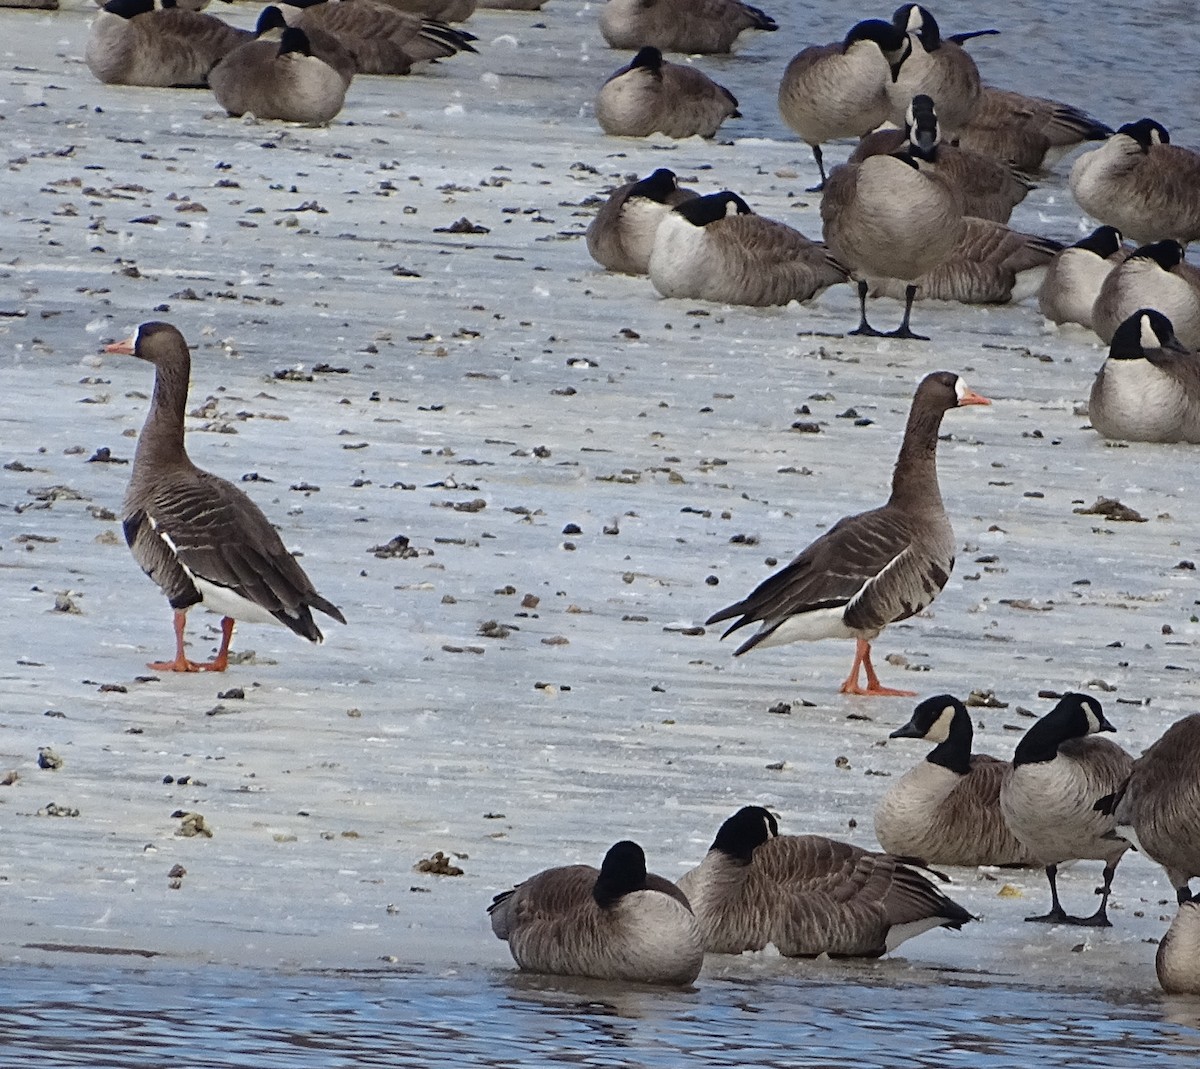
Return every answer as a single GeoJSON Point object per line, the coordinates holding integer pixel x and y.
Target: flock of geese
{"type": "Point", "coordinates": [919, 209]}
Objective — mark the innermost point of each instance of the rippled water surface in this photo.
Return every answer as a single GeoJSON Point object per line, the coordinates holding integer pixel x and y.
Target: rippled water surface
{"type": "Point", "coordinates": [115, 1019]}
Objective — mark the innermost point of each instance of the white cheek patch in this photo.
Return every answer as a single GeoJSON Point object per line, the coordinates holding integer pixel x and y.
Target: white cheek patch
{"type": "Point", "coordinates": [1149, 340]}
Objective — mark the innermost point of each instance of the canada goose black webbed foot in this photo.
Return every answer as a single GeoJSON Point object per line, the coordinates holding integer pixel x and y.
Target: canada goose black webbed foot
{"type": "Point", "coordinates": [865, 330]}
{"type": "Point", "coordinates": [1055, 916]}
{"type": "Point", "coordinates": [905, 331]}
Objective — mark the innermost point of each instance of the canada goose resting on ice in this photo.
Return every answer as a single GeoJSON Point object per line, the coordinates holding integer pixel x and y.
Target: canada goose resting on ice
{"type": "Point", "coordinates": [1155, 276]}
{"type": "Point", "coordinates": [874, 568]}
{"type": "Point", "coordinates": [621, 236]}
{"type": "Point", "coordinates": [1058, 773]}
{"type": "Point", "coordinates": [946, 809]}
{"type": "Point", "coordinates": [808, 895]}
{"type": "Point", "coordinates": [618, 923]}
{"type": "Point", "coordinates": [652, 96]}
{"type": "Point", "coordinates": [1178, 959]}
{"type": "Point", "coordinates": [1074, 277]}
{"type": "Point", "coordinates": [688, 26]}
{"type": "Point", "coordinates": [715, 248]}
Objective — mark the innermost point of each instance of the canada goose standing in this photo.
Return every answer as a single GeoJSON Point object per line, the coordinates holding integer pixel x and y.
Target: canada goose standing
{"type": "Point", "coordinates": [808, 895]}
{"type": "Point", "coordinates": [715, 248]}
{"type": "Point", "coordinates": [1140, 183]}
{"type": "Point", "coordinates": [1029, 133]}
{"type": "Point", "coordinates": [650, 95]}
{"type": "Point", "coordinates": [874, 568]}
{"type": "Point", "coordinates": [840, 89]}
{"type": "Point", "coordinates": [281, 80]}
{"type": "Point", "coordinates": [199, 537]}
{"type": "Point", "coordinates": [621, 236]}
{"type": "Point", "coordinates": [1155, 276]}
{"type": "Point", "coordinates": [133, 43]}
{"type": "Point", "coordinates": [892, 217]}
{"type": "Point", "coordinates": [688, 26]}
{"type": "Point", "coordinates": [1148, 389]}
{"type": "Point", "coordinates": [1075, 275]}
{"type": "Point", "coordinates": [1048, 797]}
{"type": "Point", "coordinates": [620, 923]}
{"type": "Point", "coordinates": [1178, 959]}
{"type": "Point", "coordinates": [946, 810]}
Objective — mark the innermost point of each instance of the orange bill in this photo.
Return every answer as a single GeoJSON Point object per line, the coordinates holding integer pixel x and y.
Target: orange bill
{"type": "Point", "coordinates": [124, 347]}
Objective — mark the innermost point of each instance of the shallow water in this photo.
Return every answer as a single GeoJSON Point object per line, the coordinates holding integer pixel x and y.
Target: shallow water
{"type": "Point", "coordinates": [124, 1019]}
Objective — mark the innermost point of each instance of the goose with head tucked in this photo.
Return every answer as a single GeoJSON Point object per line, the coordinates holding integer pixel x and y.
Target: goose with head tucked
{"type": "Point", "coordinates": [946, 810]}
{"type": "Point", "coordinates": [199, 537]}
{"type": "Point", "coordinates": [689, 26]}
{"type": "Point", "coordinates": [1073, 278]}
{"type": "Point", "coordinates": [621, 236]}
{"type": "Point", "coordinates": [874, 568]}
{"type": "Point", "coordinates": [618, 923]}
{"type": "Point", "coordinates": [808, 895]}
{"type": "Point", "coordinates": [1059, 771]}
{"type": "Point", "coordinates": [1154, 276]}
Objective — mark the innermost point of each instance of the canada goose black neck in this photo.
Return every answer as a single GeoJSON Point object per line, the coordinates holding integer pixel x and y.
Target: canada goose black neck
{"type": "Point", "coordinates": [622, 872]}
{"type": "Point", "coordinates": [1104, 241]}
{"type": "Point", "coordinates": [1167, 254]}
{"type": "Point", "coordinates": [1147, 133]}
{"type": "Point", "coordinates": [270, 18]}
{"type": "Point", "coordinates": [744, 832]}
{"type": "Point", "coordinates": [649, 57]}
{"type": "Point", "coordinates": [1075, 716]}
{"type": "Point", "coordinates": [923, 132]}
{"type": "Point", "coordinates": [1146, 329]}
{"type": "Point", "coordinates": [294, 40]}
{"type": "Point", "coordinates": [700, 211]}
{"type": "Point", "coordinates": [884, 34]}
{"type": "Point", "coordinates": [913, 18]}
{"type": "Point", "coordinates": [943, 718]}
{"type": "Point", "coordinates": [127, 9]}
{"type": "Point", "coordinates": [657, 186]}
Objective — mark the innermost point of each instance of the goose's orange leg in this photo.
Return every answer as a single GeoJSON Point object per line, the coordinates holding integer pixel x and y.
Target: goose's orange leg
{"type": "Point", "coordinates": [862, 658]}
{"type": "Point", "coordinates": [181, 662]}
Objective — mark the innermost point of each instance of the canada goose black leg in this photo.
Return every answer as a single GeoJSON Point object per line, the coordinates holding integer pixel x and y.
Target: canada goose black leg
{"type": "Point", "coordinates": [1099, 919]}
{"type": "Point", "coordinates": [820, 186]}
{"type": "Point", "coordinates": [1184, 894]}
{"type": "Point", "coordinates": [904, 330]}
{"type": "Point", "coordinates": [1057, 914]}
{"type": "Point", "coordinates": [864, 329]}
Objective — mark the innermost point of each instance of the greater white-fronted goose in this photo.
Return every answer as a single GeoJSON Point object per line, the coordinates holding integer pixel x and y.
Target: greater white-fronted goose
{"type": "Point", "coordinates": [715, 248]}
{"type": "Point", "coordinates": [935, 66]}
{"type": "Point", "coordinates": [1074, 277]}
{"type": "Point", "coordinates": [1140, 183]}
{"type": "Point", "coordinates": [1178, 959]}
{"type": "Point", "coordinates": [650, 95]}
{"type": "Point", "coordinates": [279, 80]}
{"type": "Point", "coordinates": [892, 217]}
{"type": "Point", "coordinates": [441, 10]}
{"type": "Point", "coordinates": [620, 923]}
{"type": "Point", "coordinates": [808, 895]}
{"type": "Point", "coordinates": [688, 26]}
{"type": "Point", "coordinates": [1029, 133]}
{"type": "Point", "coordinates": [621, 236]}
{"type": "Point", "coordinates": [199, 537]}
{"type": "Point", "coordinates": [946, 810]}
{"type": "Point", "coordinates": [840, 89]}
{"type": "Point", "coordinates": [133, 43]}
{"type": "Point", "coordinates": [1155, 276]}
{"type": "Point", "coordinates": [874, 568]}
{"type": "Point", "coordinates": [1148, 389]}
{"type": "Point", "coordinates": [1058, 774]}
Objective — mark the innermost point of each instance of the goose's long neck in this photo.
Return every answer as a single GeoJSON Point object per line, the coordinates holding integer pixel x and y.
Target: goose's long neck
{"type": "Point", "coordinates": [161, 440]}
{"type": "Point", "coordinates": [955, 752]}
{"type": "Point", "coordinates": [914, 479]}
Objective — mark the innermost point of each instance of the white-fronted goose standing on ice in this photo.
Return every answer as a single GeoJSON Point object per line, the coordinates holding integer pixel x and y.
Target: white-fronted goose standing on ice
{"type": "Point", "coordinates": [1058, 773]}
{"type": "Point", "coordinates": [808, 895]}
{"type": "Point", "coordinates": [1148, 389]}
{"type": "Point", "coordinates": [199, 537]}
{"type": "Point", "coordinates": [1029, 133]}
{"type": "Point", "coordinates": [715, 248]}
{"type": "Point", "coordinates": [1154, 276]}
{"type": "Point", "coordinates": [621, 236]}
{"type": "Point", "coordinates": [874, 568]}
{"type": "Point", "coordinates": [279, 80]}
{"type": "Point", "coordinates": [133, 43]}
{"type": "Point", "coordinates": [1178, 959]}
{"type": "Point", "coordinates": [841, 89]}
{"type": "Point", "coordinates": [690, 26]}
{"type": "Point", "coordinates": [1073, 278]}
{"type": "Point", "coordinates": [620, 923]}
{"type": "Point", "coordinates": [892, 216]}
{"type": "Point", "coordinates": [651, 95]}
{"type": "Point", "coordinates": [946, 810]}
{"type": "Point", "coordinates": [1140, 183]}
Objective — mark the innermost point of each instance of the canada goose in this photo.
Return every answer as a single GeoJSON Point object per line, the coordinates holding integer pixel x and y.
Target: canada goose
{"type": "Point", "coordinates": [715, 248]}
{"type": "Point", "coordinates": [620, 923]}
{"type": "Point", "coordinates": [688, 26]}
{"type": "Point", "coordinates": [934, 66]}
{"type": "Point", "coordinates": [1148, 389]}
{"type": "Point", "coordinates": [279, 80]}
{"type": "Point", "coordinates": [1178, 959]}
{"type": "Point", "coordinates": [650, 95]}
{"type": "Point", "coordinates": [946, 810]}
{"type": "Point", "coordinates": [132, 43]}
{"type": "Point", "coordinates": [990, 264]}
{"type": "Point", "coordinates": [1140, 183]}
{"type": "Point", "coordinates": [1075, 275]}
{"type": "Point", "coordinates": [1048, 797]}
{"type": "Point", "coordinates": [199, 537]}
{"type": "Point", "coordinates": [892, 217]}
{"type": "Point", "coordinates": [1029, 133]}
{"type": "Point", "coordinates": [840, 89]}
{"type": "Point", "coordinates": [874, 568]}
{"type": "Point", "coordinates": [808, 895]}
{"type": "Point", "coordinates": [270, 27]}
{"type": "Point", "coordinates": [621, 236]}
{"type": "Point", "coordinates": [1155, 276]}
